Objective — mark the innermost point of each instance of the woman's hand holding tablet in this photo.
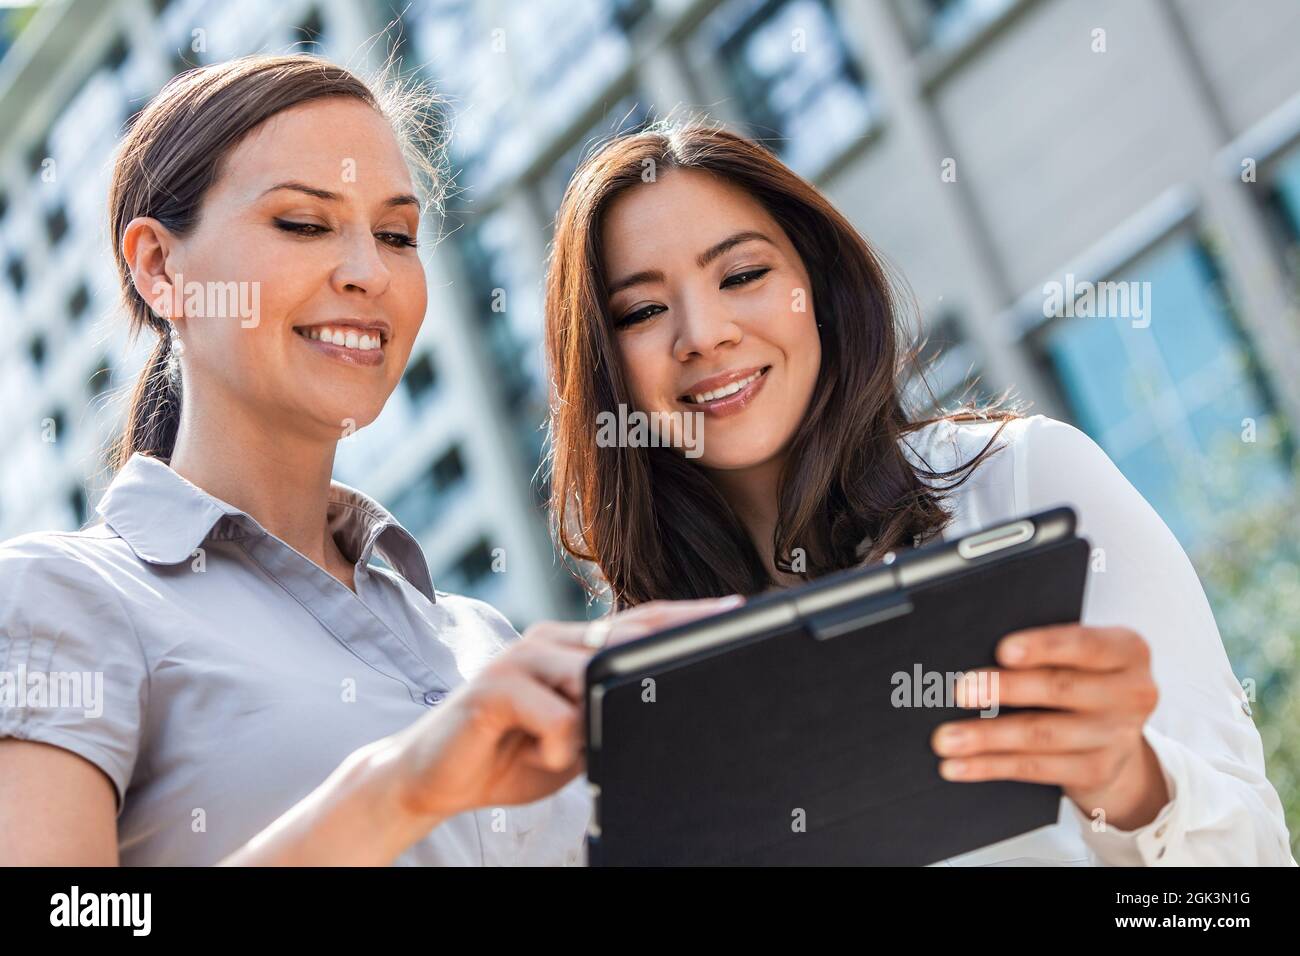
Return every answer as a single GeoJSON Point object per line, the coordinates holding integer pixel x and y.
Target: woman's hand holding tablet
{"type": "Point", "coordinates": [1097, 691]}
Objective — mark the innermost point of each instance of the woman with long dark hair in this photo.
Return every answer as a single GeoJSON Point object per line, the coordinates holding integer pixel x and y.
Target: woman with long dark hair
{"type": "Point", "coordinates": [693, 274]}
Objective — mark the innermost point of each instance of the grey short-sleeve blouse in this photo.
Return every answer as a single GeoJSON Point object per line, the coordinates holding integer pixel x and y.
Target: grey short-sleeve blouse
{"type": "Point", "coordinates": [217, 676]}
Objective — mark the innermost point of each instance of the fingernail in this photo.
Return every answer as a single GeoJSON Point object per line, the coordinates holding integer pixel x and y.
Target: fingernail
{"type": "Point", "coordinates": [950, 738]}
{"type": "Point", "coordinates": [952, 769]}
{"type": "Point", "coordinates": [1013, 649]}
{"type": "Point", "coordinates": [731, 600]}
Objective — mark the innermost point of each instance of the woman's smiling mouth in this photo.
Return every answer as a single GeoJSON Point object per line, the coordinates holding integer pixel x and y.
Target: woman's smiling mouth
{"type": "Point", "coordinates": [727, 393]}
{"type": "Point", "coordinates": [350, 344]}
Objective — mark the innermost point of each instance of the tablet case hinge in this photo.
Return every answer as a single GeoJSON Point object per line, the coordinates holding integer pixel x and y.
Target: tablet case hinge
{"type": "Point", "coordinates": [828, 624]}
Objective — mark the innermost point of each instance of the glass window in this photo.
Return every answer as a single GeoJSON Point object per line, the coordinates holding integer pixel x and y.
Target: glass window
{"type": "Point", "coordinates": [474, 564]}
{"type": "Point", "coordinates": [37, 155]}
{"type": "Point", "coordinates": [420, 505]}
{"type": "Point", "coordinates": [57, 422]}
{"type": "Point", "coordinates": [502, 301]}
{"type": "Point", "coordinates": [77, 504]}
{"type": "Point", "coordinates": [17, 273]}
{"type": "Point", "coordinates": [1285, 202]}
{"type": "Point", "coordinates": [78, 301]}
{"type": "Point", "coordinates": [116, 53]}
{"type": "Point", "coordinates": [517, 70]}
{"type": "Point", "coordinates": [56, 224]}
{"type": "Point", "coordinates": [100, 379]}
{"type": "Point", "coordinates": [947, 23]}
{"type": "Point", "coordinates": [308, 38]}
{"type": "Point", "coordinates": [420, 378]}
{"type": "Point", "coordinates": [797, 86]}
{"type": "Point", "coordinates": [1169, 388]}
{"type": "Point", "coordinates": [448, 469]}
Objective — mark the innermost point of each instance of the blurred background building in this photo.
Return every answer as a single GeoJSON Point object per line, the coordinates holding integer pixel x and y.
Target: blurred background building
{"type": "Point", "coordinates": [986, 147]}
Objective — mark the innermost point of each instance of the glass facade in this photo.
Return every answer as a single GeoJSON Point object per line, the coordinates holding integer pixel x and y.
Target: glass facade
{"type": "Point", "coordinates": [1172, 395]}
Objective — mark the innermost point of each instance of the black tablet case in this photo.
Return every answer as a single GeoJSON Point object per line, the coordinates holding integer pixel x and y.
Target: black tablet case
{"type": "Point", "coordinates": [737, 741]}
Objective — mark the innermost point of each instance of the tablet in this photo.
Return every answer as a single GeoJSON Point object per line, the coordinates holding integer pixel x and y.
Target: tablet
{"type": "Point", "coordinates": [796, 729]}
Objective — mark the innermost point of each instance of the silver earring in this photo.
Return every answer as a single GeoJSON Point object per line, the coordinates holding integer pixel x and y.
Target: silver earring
{"type": "Point", "coordinates": [177, 346]}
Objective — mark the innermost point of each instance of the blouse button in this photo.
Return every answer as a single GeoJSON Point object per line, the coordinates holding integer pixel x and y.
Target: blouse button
{"type": "Point", "coordinates": [433, 697]}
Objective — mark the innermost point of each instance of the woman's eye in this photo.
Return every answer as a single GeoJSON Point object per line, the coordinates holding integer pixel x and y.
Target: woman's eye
{"type": "Point", "coordinates": [399, 240]}
{"type": "Point", "coordinates": [740, 278]}
{"type": "Point", "coordinates": [301, 228]}
{"type": "Point", "coordinates": [640, 315]}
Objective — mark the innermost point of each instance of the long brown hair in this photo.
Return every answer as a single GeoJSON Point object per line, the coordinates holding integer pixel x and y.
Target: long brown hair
{"type": "Point", "coordinates": [173, 152]}
{"type": "Point", "coordinates": [652, 522]}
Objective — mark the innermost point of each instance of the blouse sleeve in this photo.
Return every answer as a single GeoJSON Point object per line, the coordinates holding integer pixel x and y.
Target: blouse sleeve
{"type": "Point", "coordinates": [72, 670]}
{"type": "Point", "coordinates": [1223, 810]}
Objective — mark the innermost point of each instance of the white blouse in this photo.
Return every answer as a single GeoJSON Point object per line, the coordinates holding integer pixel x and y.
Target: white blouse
{"type": "Point", "coordinates": [1223, 810]}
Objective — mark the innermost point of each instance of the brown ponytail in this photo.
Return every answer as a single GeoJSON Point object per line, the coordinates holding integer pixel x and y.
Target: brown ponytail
{"type": "Point", "coordinates": [155, 406]}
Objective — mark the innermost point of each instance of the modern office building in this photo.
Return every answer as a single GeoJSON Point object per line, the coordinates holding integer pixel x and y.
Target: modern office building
{"type": "Point", "coordinates": [1140, 156]}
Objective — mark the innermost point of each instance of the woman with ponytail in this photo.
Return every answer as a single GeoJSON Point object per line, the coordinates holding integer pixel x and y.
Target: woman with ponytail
{"type": "Point", "coordinates": [251, 687]}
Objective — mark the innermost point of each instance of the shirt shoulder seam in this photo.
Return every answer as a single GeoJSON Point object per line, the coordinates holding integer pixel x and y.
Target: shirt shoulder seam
{"type": "Point", "coordinates": [135, 633]}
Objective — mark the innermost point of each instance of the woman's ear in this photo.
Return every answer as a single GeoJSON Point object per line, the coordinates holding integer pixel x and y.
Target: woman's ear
{"type": "Point", "coordinates": [149, 246]}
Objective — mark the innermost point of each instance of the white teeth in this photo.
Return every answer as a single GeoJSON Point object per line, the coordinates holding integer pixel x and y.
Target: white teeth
{"type": "Point", "coordinates": [725, 390]}
{"type": "Point", "coordinates": [350, 339]}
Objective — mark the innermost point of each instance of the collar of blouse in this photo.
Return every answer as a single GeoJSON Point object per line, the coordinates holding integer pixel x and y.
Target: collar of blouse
{"type": "Point", "coordinates": [163, 519]}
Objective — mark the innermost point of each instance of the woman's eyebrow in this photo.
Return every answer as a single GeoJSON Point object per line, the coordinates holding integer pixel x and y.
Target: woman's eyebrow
{"type": "Point", "coordinates": [711, 253]}
{"type": "Point", "coordinates": [636, 278]}
{"type": "Point", "coordinates": [702, 260]}
{"type": "Point", "coordinates": [402, 199]}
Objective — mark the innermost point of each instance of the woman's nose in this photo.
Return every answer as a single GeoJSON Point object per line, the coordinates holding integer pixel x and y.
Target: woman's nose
{"type": "Point", "coordinates": [362, 268]}
{"type": "Point", "coordinates": [702, 330]}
